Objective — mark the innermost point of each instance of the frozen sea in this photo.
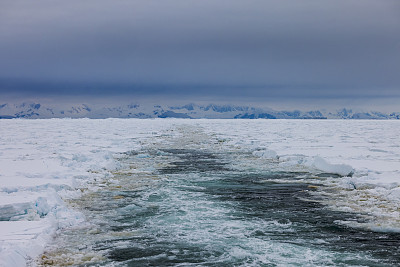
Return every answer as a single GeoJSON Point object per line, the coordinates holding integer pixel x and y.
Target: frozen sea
{"type": "Point", "coordinates": [175, 192]}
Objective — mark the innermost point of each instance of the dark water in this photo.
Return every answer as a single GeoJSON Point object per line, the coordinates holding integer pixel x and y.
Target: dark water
{"type": "Point", "coordinates": [194, 208]}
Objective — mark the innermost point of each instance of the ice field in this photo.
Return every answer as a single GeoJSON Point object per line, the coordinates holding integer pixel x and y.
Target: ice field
{"type": "Point", "coordinates": [176, 192]}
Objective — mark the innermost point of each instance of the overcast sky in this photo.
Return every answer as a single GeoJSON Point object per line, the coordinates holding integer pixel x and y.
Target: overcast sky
{"type": "Point", "coordinates": [297, 51]}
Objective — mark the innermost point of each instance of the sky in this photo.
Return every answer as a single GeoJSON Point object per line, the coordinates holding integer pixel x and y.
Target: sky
{"type": "Point", "coordinates": [281, 53]}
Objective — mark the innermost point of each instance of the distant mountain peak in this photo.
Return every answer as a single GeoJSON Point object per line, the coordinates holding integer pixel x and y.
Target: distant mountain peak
{"type": "Point", "coordinates": [35, 110]}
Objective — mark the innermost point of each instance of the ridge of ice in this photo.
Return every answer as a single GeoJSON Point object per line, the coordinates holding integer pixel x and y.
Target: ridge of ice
{"type": "Point", "coordinates": [266, 153]}
{"type": "Point", "coordinates": [321, 164]}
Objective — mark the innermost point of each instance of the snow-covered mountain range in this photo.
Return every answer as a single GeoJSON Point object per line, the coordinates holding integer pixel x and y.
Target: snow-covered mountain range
{"type": "Point", "coordinates": [194, 111]}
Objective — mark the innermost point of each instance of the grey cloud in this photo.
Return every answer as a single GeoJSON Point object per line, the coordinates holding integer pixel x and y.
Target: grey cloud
{"type": "Point", "coordinates": [314, 48]}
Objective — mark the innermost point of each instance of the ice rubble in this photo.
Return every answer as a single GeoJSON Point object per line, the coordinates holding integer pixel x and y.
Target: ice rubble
{"type": "Point", "coordinates": [265, 153]}
{"type": "Point", "coordinates": [365, 153]}
{"type": "Point", "coordinates": [321, 164]}
{"type": "Point", "coordinates": [315, 162]}
{"type": "Point", "coordinates": [44, 161]}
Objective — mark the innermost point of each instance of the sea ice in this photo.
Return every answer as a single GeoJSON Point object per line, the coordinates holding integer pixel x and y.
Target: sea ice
{"type": "Point", "coordinates": [266, 153]}
{"type": "Point", "coordinates": [43, 162]}
{"type": "Point", "coordinates": [319, 163]}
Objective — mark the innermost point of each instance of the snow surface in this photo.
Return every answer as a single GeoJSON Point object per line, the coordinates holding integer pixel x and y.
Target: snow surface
{"type": "Point", "coordinates": [43, 163]}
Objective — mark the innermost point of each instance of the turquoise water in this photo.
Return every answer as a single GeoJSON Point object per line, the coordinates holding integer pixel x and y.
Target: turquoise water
{"type": "Point", "coordinates": [197, 207]}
